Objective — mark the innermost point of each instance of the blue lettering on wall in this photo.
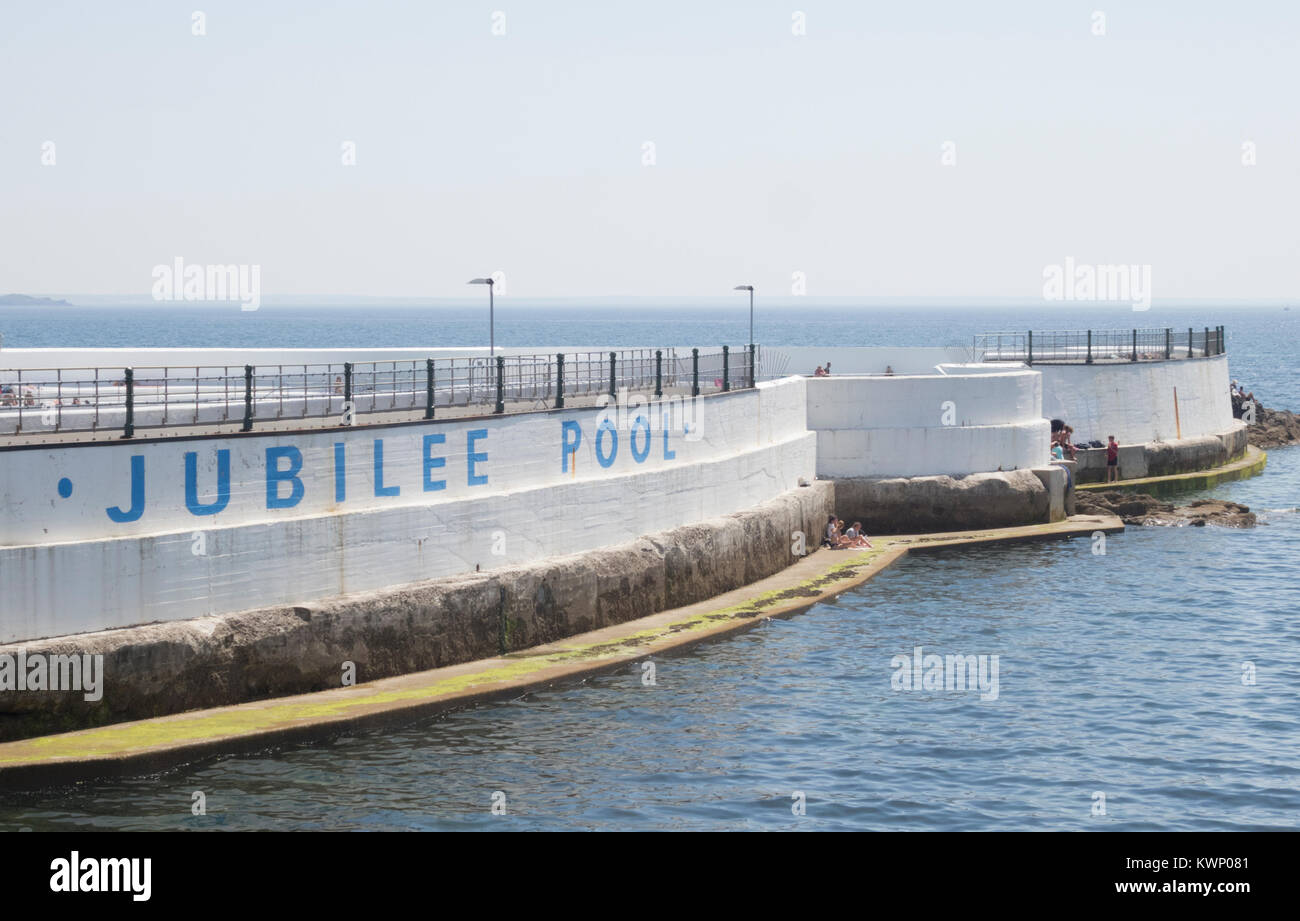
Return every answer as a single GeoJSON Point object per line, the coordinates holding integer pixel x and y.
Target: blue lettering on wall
{"type": "Point", "coordinates": [137, 494]}
{"type": "Point", "coordinates": [601, 458]}
{"type": "Point", "coordinates": [340, 473]}
{"type": "Point", "coordinates": [643, 422]}
{"type": "Point", "coordinates": [380, 488]}
{"type": "Point", "coordinates": [472, 436]}
{"type": "Point", "coordinates": [433, 463]}
{"type": "Point", "coordinates": [192, 483]}
{"type": "Point", "coordinates": [569, 445]}
{"type": "Point", "coordinates": [275, 476]}
{"type": "Point", "coordinates": [668, 455]}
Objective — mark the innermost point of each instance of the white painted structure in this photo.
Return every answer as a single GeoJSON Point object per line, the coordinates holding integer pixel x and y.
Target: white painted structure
{"type": "Point", "coordinates": [1134, 401]}
{"type": "Point", "coordinates": [101, 535]}
{"type": "Point", "coordinates": [492, 492]}
{"type": "Point", "coordinates": [925, 425]}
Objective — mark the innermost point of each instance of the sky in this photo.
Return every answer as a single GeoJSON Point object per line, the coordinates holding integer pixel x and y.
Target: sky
{"type": "Point", "coordinates": [586, 149]}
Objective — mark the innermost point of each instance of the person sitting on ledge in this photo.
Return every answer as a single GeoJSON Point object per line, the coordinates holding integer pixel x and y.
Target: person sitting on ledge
{"type": "Point", "coordinates": [831, 538]}
{"type": "Point", "coordinates": [854, 537]}
{"type": "Point", "coordinates": [819, 372]}
{"type": "Point", "coordinates": [889, 370]}
{"type": "Point", "coordinates": [1112, 461]}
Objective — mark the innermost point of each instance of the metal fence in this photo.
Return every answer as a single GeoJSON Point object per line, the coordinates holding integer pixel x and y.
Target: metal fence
{"type": "Point", "coordinates": [1100, 345]}
{"type": "Point", "coordinates": [124, 399]}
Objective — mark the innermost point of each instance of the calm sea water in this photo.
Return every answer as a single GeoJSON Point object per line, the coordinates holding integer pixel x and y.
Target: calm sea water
{"type": "Point", "coordinates": [1119, 674]}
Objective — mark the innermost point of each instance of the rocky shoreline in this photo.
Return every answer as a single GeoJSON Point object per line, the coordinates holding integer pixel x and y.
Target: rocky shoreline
{"type": "Point", "coordinates": [1141, 509]}
{"type": "Point", "coordinates": [1273, 428]}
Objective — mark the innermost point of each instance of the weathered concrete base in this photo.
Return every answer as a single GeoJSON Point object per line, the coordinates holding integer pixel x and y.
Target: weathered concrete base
{"type": "Point", "coordinates": [165, 668]}
{"type": "Point", "coordinates": [157, 744]}
{"type": "Point", "coordinates": [1250, 464]}
{"type": "Point", "coordinates": [1165, 458]}
{"type": "Point", "coordinates": [943, 503]}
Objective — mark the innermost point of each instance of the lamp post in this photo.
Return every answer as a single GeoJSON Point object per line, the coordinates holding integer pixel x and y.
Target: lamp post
{"type": "Point", "coordinates": [492, 335]}
{"type": "Point", "coordinates": [750, 289]}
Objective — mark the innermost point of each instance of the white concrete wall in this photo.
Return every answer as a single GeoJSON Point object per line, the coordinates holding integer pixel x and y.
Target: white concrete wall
{"type": "Point", "coordinates": [1135, 401]}
{"type": "Point", "coordinates": [69, 567]}
{"type": "Point", "coordinates": [928, 425]}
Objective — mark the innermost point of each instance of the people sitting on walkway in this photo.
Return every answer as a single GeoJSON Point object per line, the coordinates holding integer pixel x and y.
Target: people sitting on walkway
{"type": "Point", "coordinates": [854, 538]}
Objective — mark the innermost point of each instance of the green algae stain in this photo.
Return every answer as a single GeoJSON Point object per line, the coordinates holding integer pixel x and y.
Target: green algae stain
{"type": "Point", "coordinates": [251, 719]}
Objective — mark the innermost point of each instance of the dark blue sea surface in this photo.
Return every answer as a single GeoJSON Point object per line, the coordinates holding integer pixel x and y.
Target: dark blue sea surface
{"type": "Point", "coordinates": [1120, 673]}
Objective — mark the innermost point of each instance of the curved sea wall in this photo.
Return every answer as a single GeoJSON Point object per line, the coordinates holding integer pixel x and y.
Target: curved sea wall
{"type": "Point", "coordinates": [1134, 401]}
{"type": "Point", "coordinates": [105, 535]}
{"type": "Point", "coordinates": [927, 425]}
{"type": "Point", "coordinates": [224, 659]}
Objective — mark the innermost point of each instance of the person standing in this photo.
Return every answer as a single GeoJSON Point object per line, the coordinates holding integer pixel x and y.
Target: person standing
{"type": "Point", "coordinates": [1112, 461]}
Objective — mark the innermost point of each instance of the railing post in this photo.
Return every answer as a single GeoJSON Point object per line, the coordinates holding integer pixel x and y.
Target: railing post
{"type": "Point", "coordinates": [347, 385]}
{"type": "Point", "coordinates": [726, 369]}
{"type": "Point", "coordinates": [428, 388]}
{"type": "Point", "coordinates": [613, 374]}
{"type": "Point", "coordinates": [753, 370]}
{"type": "Point", "coordinates": [1089, 359]}
{"type": "Point", "coordinates": [695, 372]}
{"type": "Point", "coordinates": [1189, 342]}
{"type": "Point", "coordinates": [501, 385]}
{"type": "Point", "coordinates": [1030, 360]}
{"type": "Point", "coordinates": [659, 372]}
{"type": "Point", "coordinates": [248, 398]}
{"type": "Point", "coordinates": [559, 380]}
{"type": "Point", "coordinates": [1135, 345]}
{"type": "Point", "coordinates": [1169, 343]}
{"type": "Point", "coordinates": [128, 430]}
{"type": "Point", "coordinates": [1205, 346]}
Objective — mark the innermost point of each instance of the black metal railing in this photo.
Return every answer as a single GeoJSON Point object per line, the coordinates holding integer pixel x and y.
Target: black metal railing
{"type": "Point", "coordinates": [1089, 346]}
{"type": "Point", "coordinates": [125, 399]}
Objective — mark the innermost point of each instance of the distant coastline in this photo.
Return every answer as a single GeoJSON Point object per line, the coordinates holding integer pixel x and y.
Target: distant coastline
{"type": "Point", "coordinates": [25, 300]}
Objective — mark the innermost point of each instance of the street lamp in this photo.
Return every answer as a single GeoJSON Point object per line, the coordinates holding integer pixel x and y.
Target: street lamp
{"type": "Point", "coordinates": [750, 289]}
{"type": "Point", "coordinates": [492, 334]}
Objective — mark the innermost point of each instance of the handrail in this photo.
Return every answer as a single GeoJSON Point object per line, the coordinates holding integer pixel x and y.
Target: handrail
{"type": "Point", "coordinates": [45, 400]}
{"type": "Point", "coordinates": [1089, 346]}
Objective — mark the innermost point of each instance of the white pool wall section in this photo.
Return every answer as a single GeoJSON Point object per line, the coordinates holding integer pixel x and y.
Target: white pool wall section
{"type": "Point", "coordinates": [66, 567]}
{"type": "Point", "coordinates": [1135, 401]}
{"type": "Point", "coordinates": [928, 425]}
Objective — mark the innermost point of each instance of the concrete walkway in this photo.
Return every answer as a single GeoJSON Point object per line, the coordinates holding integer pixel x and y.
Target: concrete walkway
{"type": "Point", "coordinates": [150, 745]}
{"type": "Point", "coordinates": [1248, 465]}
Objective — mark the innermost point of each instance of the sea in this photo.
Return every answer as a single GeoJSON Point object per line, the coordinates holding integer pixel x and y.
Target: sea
{"type": "Point", "coordinates": [1154, 685]}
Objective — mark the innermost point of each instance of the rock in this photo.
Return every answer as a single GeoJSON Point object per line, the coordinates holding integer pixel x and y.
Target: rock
{"type": "Point", "coordinates": [1274, 428]}
{"type": "Point", "coordinates": [1141, 509]}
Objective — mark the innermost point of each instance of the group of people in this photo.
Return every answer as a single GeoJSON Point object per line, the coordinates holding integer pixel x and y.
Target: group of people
{"type": "Point", "coordinates": [1063, 444]}
{"type": "Point", "coordinates": [9, 396]}
{"type": "Point", "coordinates": [823, 372]}
{"type": "Point", "coordinates": [1240, 399]}
{"type": "Point", "coordinates": [839, 538]}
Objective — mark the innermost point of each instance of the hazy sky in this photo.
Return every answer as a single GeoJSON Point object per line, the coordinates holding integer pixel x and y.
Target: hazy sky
{"type": "Point", "coordinates": [774, 152]}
